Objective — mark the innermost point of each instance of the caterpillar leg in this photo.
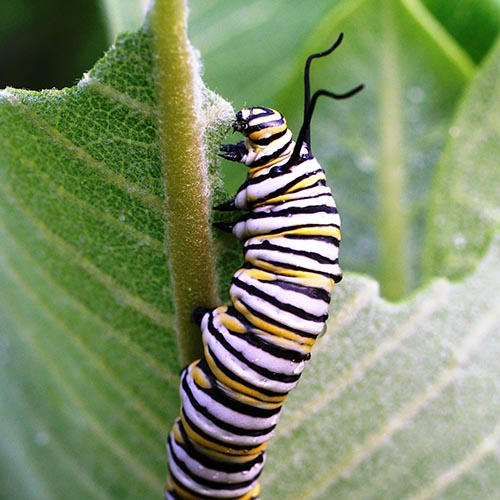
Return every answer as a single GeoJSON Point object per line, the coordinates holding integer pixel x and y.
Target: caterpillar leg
{"type": "Point", "coordinates": [224, 226]}
{"type": "Point", "coordinates": [198, 314]}
{"type": "Point", "coordinates": [228, 206]}
{"type": "Point", "coordinates": [233, 152]}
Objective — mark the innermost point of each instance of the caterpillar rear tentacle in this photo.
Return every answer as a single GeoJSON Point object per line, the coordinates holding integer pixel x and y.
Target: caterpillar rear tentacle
{"type": "Point", "coordinates": [256, 348]}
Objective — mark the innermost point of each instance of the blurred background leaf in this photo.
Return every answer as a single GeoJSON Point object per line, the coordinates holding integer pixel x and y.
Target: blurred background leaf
{"type": "Point", "coordinates": [467, 180]}
{"type": "Point", "coordinates": [415, 72]}
{"type": "Point", "coordinates": [46, 44]}
{"type": "Point", "coordinates": [123, 15]}
{"type": "Point", "coordinates": [473, 23]}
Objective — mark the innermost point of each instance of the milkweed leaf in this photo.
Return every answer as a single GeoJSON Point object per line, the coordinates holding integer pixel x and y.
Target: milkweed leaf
{"type": "Point", "coordinates": [464, 207]}
{"type": "Point", "coordinates": [398, 402]}
{"type": "Point", "coordinates": [88, 353]}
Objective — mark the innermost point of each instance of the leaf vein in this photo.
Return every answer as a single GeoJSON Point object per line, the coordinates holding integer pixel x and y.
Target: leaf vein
{"type": "Point", "coordinates": [356, 372]}
{"type": "Point", "coordinates": [132, 347]}
{"type": "Point", "coordinates": [152, 201]}
{"type": "Point", "coordinates": [487, 446]}
{"type": "Point", "coordinates": [401, 418]}
{"type": "Point", "coordinates": [103, 278]}
{"type": "Point", "coordinates": [112, 444]}
{"type": "Point", "coordinates": [63, 325]}
{"type": "Point", "coordinates": [110, 92]}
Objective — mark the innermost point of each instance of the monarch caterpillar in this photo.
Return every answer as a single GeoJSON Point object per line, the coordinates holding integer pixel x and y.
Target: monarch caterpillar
{"type": "Point", "coordinates": [256, 348]}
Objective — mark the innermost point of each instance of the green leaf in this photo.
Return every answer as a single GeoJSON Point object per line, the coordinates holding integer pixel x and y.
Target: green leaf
{"type": "Point", "coordinates": [465, 203]}
{"type": "Point", "coordinates": [123, 15]}
{"type": "Point", "coordinates": [462, 19]}
{"type": "Point", "coordinates": [398, 402]}
{"type": "Point", "coordinates": [89, 356]}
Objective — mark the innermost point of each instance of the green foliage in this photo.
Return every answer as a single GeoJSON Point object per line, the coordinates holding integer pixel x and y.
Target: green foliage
{"type": "Point", "coordinates": [465, 211]}
{"type": "Point", "coordinates": [399, 400]}
{"type": "Point", "coordinates": [89, 360]}
{"type": "Point", "coordinates": [473, 23]}
{"type": "Point", "coordinates": [123, 15]}
{"type": "Point", "coordinates": [46, 44]}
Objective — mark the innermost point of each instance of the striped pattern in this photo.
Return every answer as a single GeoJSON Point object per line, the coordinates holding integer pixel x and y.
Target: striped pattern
{"type": "Point", "coordinates": [256, 348]}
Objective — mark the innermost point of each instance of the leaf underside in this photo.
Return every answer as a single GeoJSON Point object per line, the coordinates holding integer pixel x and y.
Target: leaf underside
{"type": "Point", "coordinates": [88, 352]}
{"type": "Point", "coordinates": [399, 401]}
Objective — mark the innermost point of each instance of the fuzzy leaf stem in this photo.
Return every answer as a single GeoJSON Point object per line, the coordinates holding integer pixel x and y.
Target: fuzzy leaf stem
{"type": "Point", "coordinates": [188, 238]}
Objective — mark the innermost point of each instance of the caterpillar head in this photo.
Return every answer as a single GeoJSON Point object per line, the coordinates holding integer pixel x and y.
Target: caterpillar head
{"type": "Point", "coordinates": [267, 137]}
{"type": "Point", "coordinates": [268, 141]}
{"type": "Point", "coordinates": [260, 125]}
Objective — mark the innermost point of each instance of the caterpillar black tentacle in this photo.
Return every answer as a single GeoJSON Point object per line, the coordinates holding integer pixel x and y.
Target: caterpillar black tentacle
{"type": "Point", "coordinates": [256, 348]}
